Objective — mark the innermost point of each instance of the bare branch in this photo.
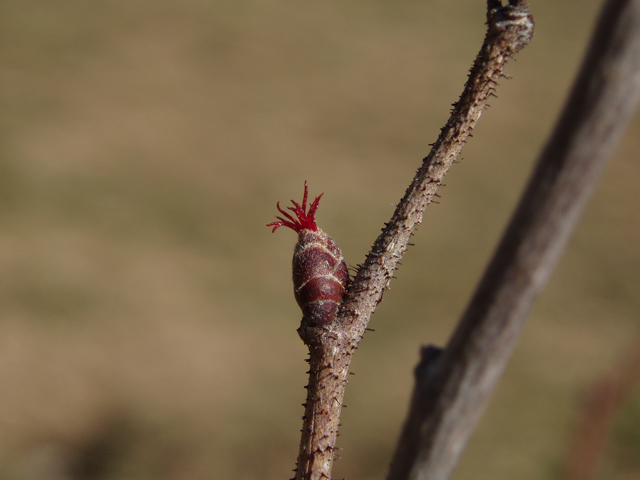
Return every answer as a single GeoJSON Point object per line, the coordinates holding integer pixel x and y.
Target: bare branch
{"type": "Point", "coordinates": [509, 29]}
{"type": "Point", "coordinates": [448, 401]}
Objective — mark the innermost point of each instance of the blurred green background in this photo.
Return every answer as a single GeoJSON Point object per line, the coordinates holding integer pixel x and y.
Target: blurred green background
{"type": "Point", "coordinates": [147, 321]}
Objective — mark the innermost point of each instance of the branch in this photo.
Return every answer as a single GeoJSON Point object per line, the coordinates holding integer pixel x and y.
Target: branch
{"type": "Point", "coordinates": [449, 399]}
{"type": "Point", "coordinates": [331, 346]}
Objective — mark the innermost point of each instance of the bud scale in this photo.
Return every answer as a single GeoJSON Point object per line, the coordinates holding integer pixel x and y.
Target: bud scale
{"type": "Point", "coordinates": [320, 274]}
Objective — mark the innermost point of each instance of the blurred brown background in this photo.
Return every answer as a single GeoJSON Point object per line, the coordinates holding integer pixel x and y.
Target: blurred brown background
{"type": "Point", "coordinates": [147, 321]}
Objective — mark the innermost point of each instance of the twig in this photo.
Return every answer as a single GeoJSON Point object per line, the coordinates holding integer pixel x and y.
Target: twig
{"type": "Point", "coordinates": [448, 402]}
{"type": "Point", "coordinates": [331, 346]}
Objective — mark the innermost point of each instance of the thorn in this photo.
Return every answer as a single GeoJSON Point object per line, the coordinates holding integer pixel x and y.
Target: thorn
{"type": "Point", "coordinates": [369, 329]}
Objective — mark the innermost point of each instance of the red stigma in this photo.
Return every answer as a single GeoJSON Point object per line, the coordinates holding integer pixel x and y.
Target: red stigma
{"type": "Point", "coordinates": [306, 219]}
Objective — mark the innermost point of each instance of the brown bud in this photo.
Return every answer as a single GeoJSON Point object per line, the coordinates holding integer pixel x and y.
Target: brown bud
{"type": "Point", "coordinates": [320, 275]}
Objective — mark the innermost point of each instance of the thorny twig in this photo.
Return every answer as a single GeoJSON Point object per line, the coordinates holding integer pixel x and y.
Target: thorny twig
{"type": "Point", "coordinates": [510, 28]}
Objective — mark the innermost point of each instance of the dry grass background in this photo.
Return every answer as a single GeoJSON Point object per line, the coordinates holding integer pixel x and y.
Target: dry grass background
{"type": "Point", "coordinates": [147, 323]}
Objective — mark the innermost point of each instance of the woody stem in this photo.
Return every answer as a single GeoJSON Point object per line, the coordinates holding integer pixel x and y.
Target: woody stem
{"type": "Point", "coordinates": [331, 346]}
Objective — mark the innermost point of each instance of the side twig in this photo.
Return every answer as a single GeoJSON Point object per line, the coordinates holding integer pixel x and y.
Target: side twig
{"type": "Point", "coordinates": [449, 398]}
{"type": "Point", "coordinates": [331, 346]}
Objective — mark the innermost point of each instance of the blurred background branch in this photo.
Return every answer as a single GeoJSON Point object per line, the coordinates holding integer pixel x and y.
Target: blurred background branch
{"type": "Point", "coordinates": [604, 403]}
{"type": "Point", "coordinates": [448, 401]}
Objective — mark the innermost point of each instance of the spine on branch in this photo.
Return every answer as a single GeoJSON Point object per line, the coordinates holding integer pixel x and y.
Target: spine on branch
{"type": "Point", "coordinates": [320, 274]}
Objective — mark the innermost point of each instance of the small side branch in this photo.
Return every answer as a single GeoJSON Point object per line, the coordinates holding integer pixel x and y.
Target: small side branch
{"type": "Point", "coordinates": [448, 402]}
{"type": "Point", "coordinates": [510, 28]}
